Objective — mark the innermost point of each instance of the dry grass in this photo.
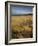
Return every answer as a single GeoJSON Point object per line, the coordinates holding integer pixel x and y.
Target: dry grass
{"type": "Point", "coordinates": [21, 26]}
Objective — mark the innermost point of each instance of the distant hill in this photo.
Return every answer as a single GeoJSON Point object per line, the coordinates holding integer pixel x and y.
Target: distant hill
{"type": "Point", "coordinates": [22, 14]}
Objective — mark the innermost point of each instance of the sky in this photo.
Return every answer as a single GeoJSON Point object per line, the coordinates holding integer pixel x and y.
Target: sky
{"type": "Point", "coordinates": [21, 9]}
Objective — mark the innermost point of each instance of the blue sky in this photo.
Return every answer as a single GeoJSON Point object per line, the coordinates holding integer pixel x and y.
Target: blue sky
{"type": "Point", "coordinates": [21, 10]}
